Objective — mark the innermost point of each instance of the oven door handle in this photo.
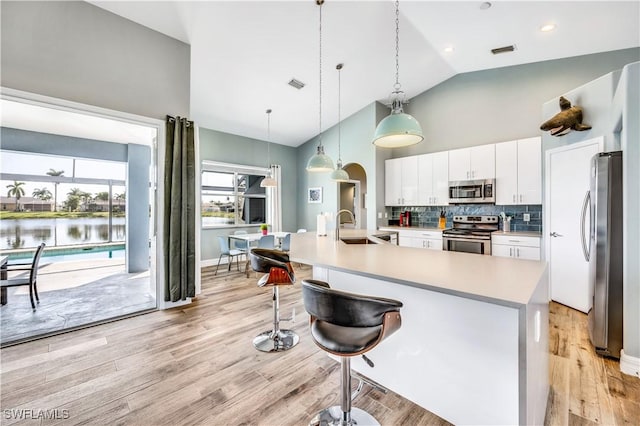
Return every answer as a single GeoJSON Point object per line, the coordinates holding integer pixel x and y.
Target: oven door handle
{"type": "Point", "coordinates": [469, 240]}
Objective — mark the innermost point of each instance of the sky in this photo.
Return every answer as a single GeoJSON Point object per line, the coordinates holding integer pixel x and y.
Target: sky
{"type": "Point", "coordinates": [38, 164]}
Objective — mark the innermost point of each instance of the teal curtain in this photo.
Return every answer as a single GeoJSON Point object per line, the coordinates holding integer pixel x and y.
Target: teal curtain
{"type": "Point", "coordinates": [179, 210]}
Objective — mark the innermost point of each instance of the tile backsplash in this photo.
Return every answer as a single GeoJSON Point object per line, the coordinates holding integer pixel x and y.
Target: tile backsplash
{"type": "Point", "coordinates": [428, 216]}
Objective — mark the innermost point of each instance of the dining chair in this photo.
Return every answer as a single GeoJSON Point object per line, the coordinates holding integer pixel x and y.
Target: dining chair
{"type": "Point", "coordinates": [30, 281]}
{"type": "Point", "coordinates": [226, 251]}
{"type": "Point", "coordinates": [267, 241]}
{"type": "Point", "coordinates": [243, 246]}
{"type": "Point", "coordinates": [286, 243]}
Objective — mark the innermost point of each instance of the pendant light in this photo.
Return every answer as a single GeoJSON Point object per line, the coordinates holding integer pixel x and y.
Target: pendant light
{"type": "Point", "coordinates": [320, 162]}
{"type": "Point", "coordinates": [268, 181]}
{"type": "Point", "coordinates": [339, 174]}
{"type": "Point", "coordinates": [398, 129]}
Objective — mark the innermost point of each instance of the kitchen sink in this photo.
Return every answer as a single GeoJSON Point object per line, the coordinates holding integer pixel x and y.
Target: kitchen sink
{"type": "Point", "coordinates": [357, 240]}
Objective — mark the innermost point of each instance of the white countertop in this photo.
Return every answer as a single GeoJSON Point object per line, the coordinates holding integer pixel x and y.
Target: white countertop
{"type": "Point", "coordinates": [493, 279]}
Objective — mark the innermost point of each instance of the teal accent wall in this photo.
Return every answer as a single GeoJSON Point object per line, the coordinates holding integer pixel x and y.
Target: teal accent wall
{"type": "Point", "coordinates": [502, 104]}
{"type": "Point", "coordinates": [227, 148]}
{"type": "Point", "coordinates": [356, 147]}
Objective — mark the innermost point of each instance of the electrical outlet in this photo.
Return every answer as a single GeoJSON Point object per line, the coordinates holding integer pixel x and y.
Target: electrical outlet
{"type": "Point", "coordinates": [526, 217]}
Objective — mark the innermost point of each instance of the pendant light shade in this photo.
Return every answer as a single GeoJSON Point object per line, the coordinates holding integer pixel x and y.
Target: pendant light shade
{"type": "Point", "coordinates": [268, 181]}
{"type": "Point", "coordinates": [339, 174]}
{"type": "Point", "coordinates": [398, 129]}
{"type": "Point", "coordinates": [320, 162]}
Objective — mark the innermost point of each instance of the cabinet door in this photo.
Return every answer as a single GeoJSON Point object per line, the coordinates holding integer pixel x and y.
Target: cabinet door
{"type": "Point", "coordinates": [409, 173]}
{"type": "Point", "coordinates": [459, 162]}
{"type": "Point", "coordinates": [419, 242]}
{"type": "Point", "coordinates": [507, 173]}
{"type": "Point", "coordinates": [526, 253]}
{"type": "Point", "coordinates": [440, 161]}
{"type": "Point", "coordinates": [392, 182]}
{"type": "Point", "coordinates": [425, 180]}
{"type": "Point", "coordinates": [433, 244]}
{"type": "Point", "coordinates": [529, 171]}
{"type": "Point", "coordinates": [483, 162]}
{"type": "Point", "coordinates": [501, 250]}
{"type": "Point", "coordinates": [405, 241]}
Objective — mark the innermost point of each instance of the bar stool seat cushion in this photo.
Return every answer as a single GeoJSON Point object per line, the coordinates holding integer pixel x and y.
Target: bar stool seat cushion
{"type": "Point", "coordinates": [345, 340]}
{"type": "Point", "coordinates": [275, 263]}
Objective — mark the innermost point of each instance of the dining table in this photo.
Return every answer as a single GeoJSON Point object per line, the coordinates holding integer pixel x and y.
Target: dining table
{"type": "Point", "coordinates": [252, 239]}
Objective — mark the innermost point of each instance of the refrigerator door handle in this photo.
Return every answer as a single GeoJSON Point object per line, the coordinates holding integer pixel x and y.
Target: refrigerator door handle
{"type": "Point", "coordinates": [587, 201]}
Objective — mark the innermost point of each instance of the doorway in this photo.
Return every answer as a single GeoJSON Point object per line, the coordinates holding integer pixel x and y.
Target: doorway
{"type": "Point", "coordinates": [567, 180]}
{"type": "Point", "coordinates": [99, 259]}
{"type": "Point", "coordinates": [352, 196]}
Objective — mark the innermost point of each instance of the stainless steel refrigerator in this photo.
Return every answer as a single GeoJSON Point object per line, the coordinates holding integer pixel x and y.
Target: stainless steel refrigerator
{"type": "Point", "coordinates": [603, 250]}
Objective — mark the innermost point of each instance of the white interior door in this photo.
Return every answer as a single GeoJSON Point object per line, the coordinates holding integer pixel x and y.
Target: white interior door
{"type": "Point", "coordinates": [568, 180]}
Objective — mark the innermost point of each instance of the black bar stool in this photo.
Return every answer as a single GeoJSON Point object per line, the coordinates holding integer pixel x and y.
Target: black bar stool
{"type": "Point", "coordinates": [279, 272]}
{"type": "Point", "coordinates": [347, 325]}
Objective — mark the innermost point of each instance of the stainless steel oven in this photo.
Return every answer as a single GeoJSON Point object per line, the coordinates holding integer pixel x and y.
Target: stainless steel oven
{"type": "Point", "coordinates": [470, 234]}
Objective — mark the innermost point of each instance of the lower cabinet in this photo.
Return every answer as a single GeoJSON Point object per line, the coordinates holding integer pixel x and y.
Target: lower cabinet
{"type": "Point", "coordinates": [431, 240]}
{"type": "Point", "coordinates": [517, 247]}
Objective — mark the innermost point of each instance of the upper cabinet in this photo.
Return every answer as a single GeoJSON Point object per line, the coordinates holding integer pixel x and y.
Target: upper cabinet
{"type": "Point", "coordinates": [433, 179]}
{"type": "Point", "coordinates": [518, 171]}
{"type": "Point", "coordinates": [477, 162]}
{"type": "Point", "coordinates": [401, 181]}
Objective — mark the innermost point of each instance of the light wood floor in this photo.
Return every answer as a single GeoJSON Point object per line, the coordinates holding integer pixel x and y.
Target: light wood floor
{"type": "Point", "coordinates": [197, 366]}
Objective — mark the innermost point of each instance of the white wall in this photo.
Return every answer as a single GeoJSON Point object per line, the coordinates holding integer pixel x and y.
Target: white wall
{"type": "Point", "coordinates": [75, 51]}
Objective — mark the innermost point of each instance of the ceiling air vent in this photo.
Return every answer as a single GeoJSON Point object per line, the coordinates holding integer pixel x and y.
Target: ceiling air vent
{"type": "Point", "coordinates": [504, 49]}
{"type": "Point", "coordinates": [296, 83]}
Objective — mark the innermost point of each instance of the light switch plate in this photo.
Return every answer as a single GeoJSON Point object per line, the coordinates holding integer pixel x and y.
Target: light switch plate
{"type": "Point", "coordinates": [379, 215]}
{"type": "Point", "coordinates": [526, 217]}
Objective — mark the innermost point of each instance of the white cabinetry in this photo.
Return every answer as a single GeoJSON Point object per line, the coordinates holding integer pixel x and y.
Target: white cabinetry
{"type": "Point", "coordinates": [517, 247]}
{"type": "Point", "coordinates": [519, 172]}
{"type": "Point", "coordinates": [401, 181]}
{"type": "Point", "coordinates": [431, 240]}
{"type": "Point", "coordinates": [476, 162]}
{"type": "Point", "coordinates": [433, 179]}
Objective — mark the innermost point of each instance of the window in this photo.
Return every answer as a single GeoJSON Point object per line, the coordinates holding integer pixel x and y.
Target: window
{"type": "Point", "coordinates": [232, 195]}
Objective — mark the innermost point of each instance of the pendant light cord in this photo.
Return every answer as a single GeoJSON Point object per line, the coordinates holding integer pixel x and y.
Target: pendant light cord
{"type": "Point", "coordinates": [339, 68]}
{"type": "Point", "coordinates": [397, 85]}
{"type": "Point", "coordinates": [320, 2]}
{"type": "Point", "coordinates": [269, 140]}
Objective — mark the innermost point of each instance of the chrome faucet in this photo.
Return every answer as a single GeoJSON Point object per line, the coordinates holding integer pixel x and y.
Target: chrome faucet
{"type": "Point", "coordinates": [353, 219]}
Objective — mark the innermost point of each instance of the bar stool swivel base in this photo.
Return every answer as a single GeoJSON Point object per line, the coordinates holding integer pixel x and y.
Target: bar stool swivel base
{"type": "Point", "coordinates": [332, 416]}
{"type": "Point", "coordinates": [278, 341]}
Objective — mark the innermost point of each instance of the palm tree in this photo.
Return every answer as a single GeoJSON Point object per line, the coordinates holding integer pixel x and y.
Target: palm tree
{"type": "Point", "coordinates": [53, 172]}
{"type": "Point", "coordinates": [16, 190]}
{"type": "Point", "coordinates": [42, 194]}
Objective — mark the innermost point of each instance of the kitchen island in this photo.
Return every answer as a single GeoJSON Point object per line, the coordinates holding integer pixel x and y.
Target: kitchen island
{"type": "Point", "coordinates": [473, 346]}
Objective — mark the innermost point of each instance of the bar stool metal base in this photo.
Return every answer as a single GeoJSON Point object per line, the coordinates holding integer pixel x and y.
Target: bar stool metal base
{"type": "Point", "coordinates": [279, 341]}
{"type": "Point", "coordinates": [332, 416]}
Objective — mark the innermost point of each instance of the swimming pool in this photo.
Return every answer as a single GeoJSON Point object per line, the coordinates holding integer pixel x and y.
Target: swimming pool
{"type": "Point", "coordinates": [65, 254]}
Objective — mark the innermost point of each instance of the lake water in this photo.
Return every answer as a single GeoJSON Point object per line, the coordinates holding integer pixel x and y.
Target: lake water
{"type": "Point", "coordinates": [26, 233]}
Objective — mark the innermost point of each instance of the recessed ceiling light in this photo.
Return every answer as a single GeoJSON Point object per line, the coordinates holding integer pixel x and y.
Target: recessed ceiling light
{"type": "Point", "coordinates": [548, 27]}
{"type": "Point", "coordinates": [485, 5]}
{"type": "Point", "coordinates": [448, 49]}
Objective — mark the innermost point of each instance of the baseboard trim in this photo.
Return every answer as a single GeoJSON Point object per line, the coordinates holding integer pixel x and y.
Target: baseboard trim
{"type": "Point", "coordinates": [629, 364]}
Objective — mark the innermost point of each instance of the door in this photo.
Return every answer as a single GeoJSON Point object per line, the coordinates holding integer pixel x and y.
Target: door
{"type": "Point", "coordinates": [409, 172]}
{"type": "Point", "coordinates": [425, 180]}
{"type": "Point", "coordinates": [440, 167]}
{"type": "Point", "coordinates": [568, 181]}
{"type": "Point", "coordinates": [459, 163]}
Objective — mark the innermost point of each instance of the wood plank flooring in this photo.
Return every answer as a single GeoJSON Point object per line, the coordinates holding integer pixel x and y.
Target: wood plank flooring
{"type": "Point", "coordinates": [197, 366]}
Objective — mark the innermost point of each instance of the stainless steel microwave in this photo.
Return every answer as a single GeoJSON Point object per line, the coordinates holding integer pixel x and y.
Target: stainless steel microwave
{"type": "Point", "coordinates": [472, 191]}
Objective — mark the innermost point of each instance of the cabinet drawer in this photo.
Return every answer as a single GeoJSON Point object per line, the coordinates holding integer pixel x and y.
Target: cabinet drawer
{"type": "Point", "coordinates": [514, 240]}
